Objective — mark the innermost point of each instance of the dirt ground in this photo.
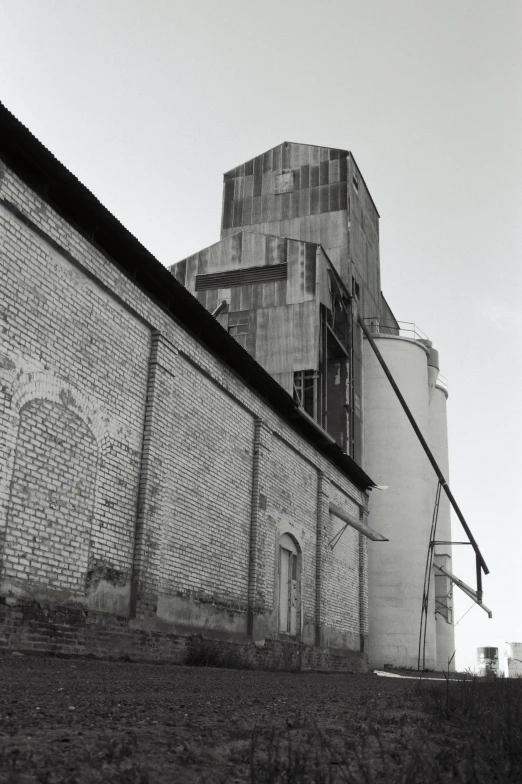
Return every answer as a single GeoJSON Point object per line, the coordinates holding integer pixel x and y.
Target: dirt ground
{"type": "Point", "coordinates": [84, 720]}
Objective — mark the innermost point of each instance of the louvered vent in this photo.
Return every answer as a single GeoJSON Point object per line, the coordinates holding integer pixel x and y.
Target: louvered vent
{"type": "Point", "coordinates": [241, 277]}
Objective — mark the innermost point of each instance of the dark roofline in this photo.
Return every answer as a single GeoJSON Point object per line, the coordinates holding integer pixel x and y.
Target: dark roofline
{"type": "Point", "coordinates": [50, 179]}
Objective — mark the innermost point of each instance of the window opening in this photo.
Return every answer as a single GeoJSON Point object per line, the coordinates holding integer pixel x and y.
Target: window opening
{"type": "Point", "coordinates": [305, 390]}
{"type": "Point", "coordinates": [288, 585]}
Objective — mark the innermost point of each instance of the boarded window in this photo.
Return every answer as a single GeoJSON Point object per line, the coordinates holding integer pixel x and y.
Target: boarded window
{"type": "Point", "coordinates": [52, 497]}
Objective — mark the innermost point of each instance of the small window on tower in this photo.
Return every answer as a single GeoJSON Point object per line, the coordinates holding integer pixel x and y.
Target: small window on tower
{"type": "Point", "coordinates": [356, 289]}
{"type": "Point", "coordinates": [355, 183]}
{"type": "Point", "coordinates": [238, 323]}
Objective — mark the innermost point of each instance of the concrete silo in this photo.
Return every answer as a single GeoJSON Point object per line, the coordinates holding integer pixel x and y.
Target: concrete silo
{"type": "Point", "coordinates": [487, 662]}
{"type": "Point", "coordinates": [403, 513]}
{"type": "Point", "coordinates": [513, 657]}
{"type": "Point", "coordinates": [438, 440]}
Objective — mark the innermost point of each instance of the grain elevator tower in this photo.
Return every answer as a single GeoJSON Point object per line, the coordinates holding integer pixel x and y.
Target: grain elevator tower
{"type": "Point", "coordinates": [296, 279]}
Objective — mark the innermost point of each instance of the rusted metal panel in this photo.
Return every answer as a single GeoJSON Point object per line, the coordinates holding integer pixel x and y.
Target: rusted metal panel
{"type": "Point", "coordinates": [249, 168]}
{"type": "Point", "coordinates": [310, 269]}
{"type": "Point", "coordinates": [324, 198]}
{"type": "Point", "coordinates": [295, 201]}
{"type": "Point", "coordinates": [285, 337]}
{"type": "Point", "coordinates": [276, 158]}
{"type": "Point", "coordinates": [256, 210]}
{"type": "Point", "coordinates": [203, 261]}
{"type": "Point", "coordinates": [305, 176]}
{"type": "Point", "coordinates": [254, 249]}
{"type": "Point", "coordinates": [314, 201]}
{"type": "Point", "coordinates": [334, 171]}
{"type": "Point", "coordinates": [247, 212]}
{"type": "Point", "coordinates": [282, 183]}
{"type": "Point", "coordinates": [314, 176]}
{"type": "Point", "coordinates": [248, 187]}
{"type": "Point", "coordinates": [323, 173]}
{"type": "Point", "coordinates": [285, 156]}
{"type": "Point", "coordinates": [334, 155]}
{"type": "Point", "coordinates": [335, 197]}
{"type": "Point", "coordinates": [285, 206]}
{"type": "Point", "coordinates": [237, 220]}
{"type": "Point", "coordinates": [304, 203]}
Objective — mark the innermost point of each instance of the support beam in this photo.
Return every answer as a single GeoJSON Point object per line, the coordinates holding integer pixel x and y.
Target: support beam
{"type": "Point", "coordinates": [424, 445]}
{"type": "Point", "coordinates": [465, 588]}
{"type": "Point", "coordinates": [357, 524]}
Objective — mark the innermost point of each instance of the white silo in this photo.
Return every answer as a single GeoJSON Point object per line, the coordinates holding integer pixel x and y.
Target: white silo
{"type": "Point", "coordinates": [487, 662]}
{"type": "Point", "coordinates": [513, 659]}
{"type": "Point", "coordinates": [438, 441]}
{"type": "Point", "coordinates": [403, 513]}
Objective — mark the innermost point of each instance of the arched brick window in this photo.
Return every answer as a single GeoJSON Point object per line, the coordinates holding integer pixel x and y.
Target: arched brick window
{"type": "Point", "coordinates": [289, 568]}
{"type": "Point", "coordinates": [51, 500]}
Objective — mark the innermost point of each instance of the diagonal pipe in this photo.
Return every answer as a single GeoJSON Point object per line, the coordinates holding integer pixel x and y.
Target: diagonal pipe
{"type": "Point", "coordinates": [426, 448]}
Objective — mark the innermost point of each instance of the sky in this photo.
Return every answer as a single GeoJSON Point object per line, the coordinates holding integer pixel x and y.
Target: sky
{"type": "Point", "coordinates": [148, 103]}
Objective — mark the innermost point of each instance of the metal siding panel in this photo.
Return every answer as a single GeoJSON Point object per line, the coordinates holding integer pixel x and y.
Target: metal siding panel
{"type": "Point", "coordinates": [324, 198]}
{"type": "Point", "coordinates": [334, 171]}
{"type": "Point", "coordinates": [249, 168]}
{"type": "Point", "coordinates": [285, 156]}
{"type": "Point", "coordinates": [314, 201]}
{"type": "Point", "coordinates": [323, 173]}
{"type": "Point", "coordinates": [295, 199]}
{"type": "Point", "coordinates": [343, 169]}
{"type": "Point", "coordinates": [203, 261]}
{"type": "Point", "coordinates": [297, 179]}
{"type": "Point", "coordinates": [285, 206]}
{"type": "Point", "coordinates": [304, 203]}
{"type": "Point", "coordinates": [305, 176]}
{"type": "Point", "coordinates": [276, 162]}
{"type": "Point", "coordinates": [228, 200]}
{"type": "Point", "coordinates": [247, 212]}
{"type": "Point", "coordinates": [314, 176]}
{"type": "Point", "coordinates": [343, 196]}
{"type": "Point", "coordinates": [248, 187]}
{"type": "Point", "coordinates": [310, 269]}
{"type": "Point", "coordinates": [256, 210]}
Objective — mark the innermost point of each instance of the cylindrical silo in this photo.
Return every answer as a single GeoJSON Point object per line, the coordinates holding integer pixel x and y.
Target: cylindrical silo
{"type": "Point", "coordinates": [513, 659]}
{"type": "Point", "coordinates": [394, 457]}
{"type": "Point", "coordinates": [444, 620]}
{"type": "Point", "coordinates": [487, 662]}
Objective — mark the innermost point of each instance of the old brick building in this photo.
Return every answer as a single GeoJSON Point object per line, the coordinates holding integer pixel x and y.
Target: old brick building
{"type": "Point", "coordinates": [156, 482]}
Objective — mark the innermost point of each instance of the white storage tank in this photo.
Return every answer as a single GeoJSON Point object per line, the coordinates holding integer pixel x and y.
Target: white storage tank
{"type": "Point", "coordinates": [403, 513]}
{"type": "Point", "coordinates": [444, 618]}
{"type": "Point", "coordinates": [487, 662]}
{"type": "Point", "coordinates": [513, 659]}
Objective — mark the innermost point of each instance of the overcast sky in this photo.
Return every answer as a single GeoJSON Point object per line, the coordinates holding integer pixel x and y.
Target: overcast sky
{"type": "Point", "coordinates": [148, 103]}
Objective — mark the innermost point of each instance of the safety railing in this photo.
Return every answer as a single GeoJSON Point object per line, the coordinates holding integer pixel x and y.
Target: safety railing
{"type": "Point", "coordinates": [404, 329]}
{"type": "Point", "coordinates": [442, 382]}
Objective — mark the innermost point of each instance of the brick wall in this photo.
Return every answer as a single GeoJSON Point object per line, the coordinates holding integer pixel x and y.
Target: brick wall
{"type": "Point", "coordinates": [127, 454]}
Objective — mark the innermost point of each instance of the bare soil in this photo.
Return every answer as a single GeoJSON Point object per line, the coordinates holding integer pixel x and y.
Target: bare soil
{"type": "Point", "coordinates": [86, 720]}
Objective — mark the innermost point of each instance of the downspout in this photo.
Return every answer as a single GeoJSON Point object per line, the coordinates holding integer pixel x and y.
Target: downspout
{"type": "Point", "coordinates": [254, 530]}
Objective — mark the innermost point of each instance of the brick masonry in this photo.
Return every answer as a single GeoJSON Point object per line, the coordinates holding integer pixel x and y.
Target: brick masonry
{"type": "Point", "coordinates": [127, 497]}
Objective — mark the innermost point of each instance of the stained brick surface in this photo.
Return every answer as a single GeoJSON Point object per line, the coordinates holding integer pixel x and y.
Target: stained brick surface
{"type": "Point", "coordinates": [126, 449]}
